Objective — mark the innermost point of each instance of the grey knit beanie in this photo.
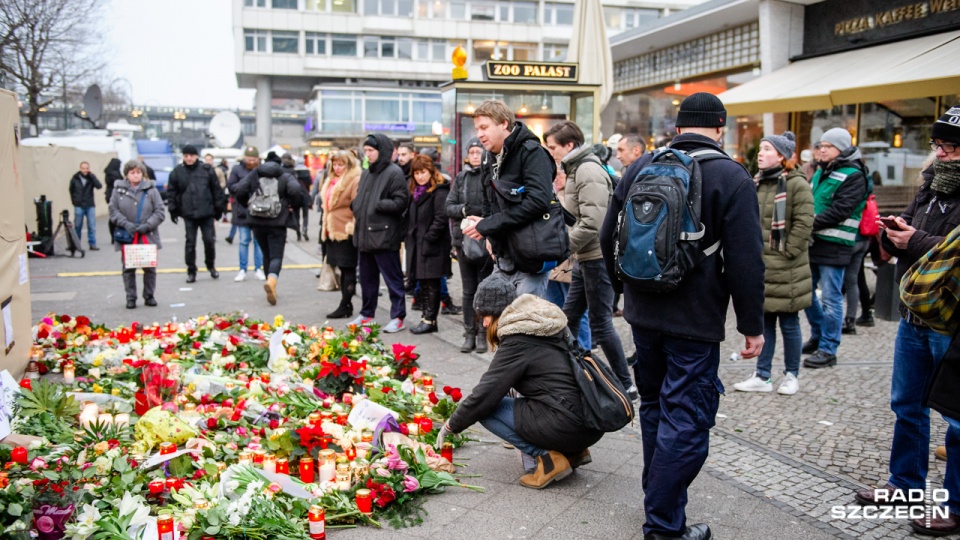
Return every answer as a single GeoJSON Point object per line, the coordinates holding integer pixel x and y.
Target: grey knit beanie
{"type": "Point", "coordinates": [493, 295]}
{"type": "Point", "coordinates": [784, 144]}
{"type": "Point", "coordinates": [838, 137]}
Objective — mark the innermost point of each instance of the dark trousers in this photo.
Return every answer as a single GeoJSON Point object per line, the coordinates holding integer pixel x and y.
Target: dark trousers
{"type": "Point", "coordinates": [304, 219]}
{"type": "Point", "coordinates": [348, 285]}
{"type": "Point", "coordinates": [471, 274]}
{"type": "Point", "coordinates": [590, 288]}
{"type": "Point", "coordinates": [679, 397]}
{"type": "Point", "coordinates": [209, 243]}
{"type": "Point", "coordinates": [430, 299]}
{"type": "Point", "coordinates": [271, 241]}
{"type": "Point", "coordinates": [372, 265]}
{"type": "Point", "coordinates": [130, 281]}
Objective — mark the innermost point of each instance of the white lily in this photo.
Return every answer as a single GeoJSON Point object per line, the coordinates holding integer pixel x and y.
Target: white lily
{"type": "Point", "coordinates": [132, 505]}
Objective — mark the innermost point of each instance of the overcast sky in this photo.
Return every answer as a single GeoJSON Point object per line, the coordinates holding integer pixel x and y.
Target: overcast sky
{"type": "Point", "coordinates": [175, 52]}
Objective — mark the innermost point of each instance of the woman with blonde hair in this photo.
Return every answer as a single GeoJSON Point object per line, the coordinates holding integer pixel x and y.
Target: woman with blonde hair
{"type": "Point", "coordinates": [337, 192]}
{"type": "Point", "coordinates": [428, 237]}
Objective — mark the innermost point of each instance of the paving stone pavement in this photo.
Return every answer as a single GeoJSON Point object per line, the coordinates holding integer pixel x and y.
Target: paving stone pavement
{"type": "Point", "coordinates": [777, 464]}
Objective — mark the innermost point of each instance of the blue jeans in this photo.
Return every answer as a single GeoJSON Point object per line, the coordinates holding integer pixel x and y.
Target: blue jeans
{"type": "Point", "coordinates": [535, 284]}
{"type": "Point", "coordinates": [233, 231]}
{"type": "Point", "coordinates": [90, 214]}
{"type": "Point", "coordinates": [827, 321]}
{"type": "Point", "coordinates": [591, 287]}
{"type": "Point", "coordinates": [792, 343]}
{"type": "Point", "coordinates": [679, 396]}
{"type": "Point", "coordinates": [501, 423]}
{"type": "Point", "coordinates": [916, 354]}
{"type": "Point", "coordinates": [557, 294]}
{"type": "Point", "coordinates": [245, 239]}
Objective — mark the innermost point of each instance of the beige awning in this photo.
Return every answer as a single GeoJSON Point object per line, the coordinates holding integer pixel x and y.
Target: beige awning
{"type": "Point", "coordinates": [909, 69]}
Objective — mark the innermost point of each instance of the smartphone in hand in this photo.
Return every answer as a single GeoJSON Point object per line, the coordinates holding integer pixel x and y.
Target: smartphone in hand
{"type": "Point", "coordinates": [890, 223]}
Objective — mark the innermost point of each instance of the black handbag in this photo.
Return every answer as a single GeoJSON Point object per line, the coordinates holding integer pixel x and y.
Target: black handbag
{"type": "Point", "coordinates": [942, 395]}
{"type": "Point", "coordinates": [542, 244]}
{"type": "Point", "coordinates": [121, 235]}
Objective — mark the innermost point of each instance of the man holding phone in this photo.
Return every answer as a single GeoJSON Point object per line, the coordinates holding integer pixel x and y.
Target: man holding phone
{"type": "Point", "coordinates": [934, 212]}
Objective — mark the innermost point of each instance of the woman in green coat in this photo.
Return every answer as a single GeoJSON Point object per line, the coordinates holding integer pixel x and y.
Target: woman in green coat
{"type": "Point", "coordinates": [786, 215]}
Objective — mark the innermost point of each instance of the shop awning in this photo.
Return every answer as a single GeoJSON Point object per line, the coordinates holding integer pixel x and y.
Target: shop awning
{"type": "Point", "coordinates": [909, 69]}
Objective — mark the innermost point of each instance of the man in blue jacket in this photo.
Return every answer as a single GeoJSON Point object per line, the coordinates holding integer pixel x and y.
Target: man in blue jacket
{"type": "Point", "coordinates": [678, 333]}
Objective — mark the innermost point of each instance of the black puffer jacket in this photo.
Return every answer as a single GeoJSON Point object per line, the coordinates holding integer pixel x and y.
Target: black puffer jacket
{"type": "Point", "coordinates": [465, 199]}
{"type": "Point", "coordinates": [381, 204]}
{"type": "Point", "coordinates": [238, 173]}
{"type": "Point", "coordinates": [110, 176]}
{"type": "Point", "coordinates": [292, 195]}
{"type": "Point", "coordinates": [519, 190]}
{"type": "Point", "coordinates": [195, 192]}
{"type": "Point", "coordinates": [532, 357]}
{"type": "Point", "coordinates": [934, 215]}
{"type": "Point", "coordinates": [428, 235]}
{"type": "Point", "coordinates": [82, 194]}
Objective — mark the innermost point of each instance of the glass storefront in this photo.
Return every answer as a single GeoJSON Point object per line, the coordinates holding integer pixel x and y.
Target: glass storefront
{"type": "Point", "coordinates": [354, 113]}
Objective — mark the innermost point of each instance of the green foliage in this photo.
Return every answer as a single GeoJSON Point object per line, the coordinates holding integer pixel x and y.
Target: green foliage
{"type": "Point", "coordinates": [47, 397]}
{"type": "Point", "coordinates": [45, 425]}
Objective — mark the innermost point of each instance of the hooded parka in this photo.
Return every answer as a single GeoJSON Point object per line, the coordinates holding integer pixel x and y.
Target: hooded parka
{"type": "Point", "coordinates": [381, 204]}
{"type": "Point", "coordinates": [532, 358]}
{"type": "Point", "coordinates": [428, 235]}
{"type": "Point", "coordinates": [788, 284]}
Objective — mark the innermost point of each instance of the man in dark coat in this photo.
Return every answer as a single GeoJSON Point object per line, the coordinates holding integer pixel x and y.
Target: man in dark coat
{"type": "Point", "coordinates": [251, 160]}
{"type": "Point", "coordinates": [110, 176]}
{"type": "Point", "coordinates": [519, 191]}
{"type": "Point", "coordinates": [380, 211]}
{"type": "Point", "coordinates": [81, 195]}
{"type": "Point", "coordinates": [302, 175]}
{"type": "Point", "coordinates": [196, 196]}
{"type": "Point", "coordinates": [678, 333]}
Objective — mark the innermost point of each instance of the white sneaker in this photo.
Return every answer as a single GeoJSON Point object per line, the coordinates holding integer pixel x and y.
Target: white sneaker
{"type": "Point", "coordinates": [754, 384]}
{"type": "Point", "coordinates": [789, 386]}
{"type": "Point", "coordinates": [241, 275]}
{"type": "Point", "coordinates": [395, 325]}
{"type": "Point", "coordinates": [361, 321]}
{"type": "Point", "coordinates": [259, 274]}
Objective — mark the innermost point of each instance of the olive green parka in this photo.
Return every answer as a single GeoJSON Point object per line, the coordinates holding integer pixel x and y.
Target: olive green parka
{"type": "Point", "coordinates": [788, 284]}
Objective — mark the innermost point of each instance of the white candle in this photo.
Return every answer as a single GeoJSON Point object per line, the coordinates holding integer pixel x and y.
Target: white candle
{"type": "Point", "coordinates": [105, 419]}
{"type": "Point", "coordinates": [122, 420]}
{"type": "Point", "coordinates": [270, 464]}
{"type": "Point", "coordinates": [69, 374]}
{"type": "Point", "coordinates": [327, 471]}
{"type": "Point", "coordinates": [413, 429]}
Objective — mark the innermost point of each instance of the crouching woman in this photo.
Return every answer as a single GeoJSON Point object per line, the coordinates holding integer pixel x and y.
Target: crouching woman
{"type": "Point", "coordinates": [531, 357]}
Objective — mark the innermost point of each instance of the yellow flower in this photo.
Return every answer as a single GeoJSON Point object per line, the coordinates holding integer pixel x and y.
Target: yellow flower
{"type": "Point", "coordinates": [98, 360]}
{"type": "Point", "coordinates": [115, 391]}
{"type": "Point", "coordinates": [278, 321]}
{"type": "Point", "coordinates": [97, 389]}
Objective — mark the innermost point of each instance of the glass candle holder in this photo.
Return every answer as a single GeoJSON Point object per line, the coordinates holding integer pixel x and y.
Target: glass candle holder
{"type": "Point", "coordinates": [307, 473]}
{"type": "Point", "coordinates": [364, 501]}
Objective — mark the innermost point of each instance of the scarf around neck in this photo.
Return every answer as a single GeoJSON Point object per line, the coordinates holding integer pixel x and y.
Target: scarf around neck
{"type": "Point", "coordinates": [419, 190]}
{"type": "Point", "coordinates": [946, 177]}
{"type": "Point", "coordinates": [778, 226]}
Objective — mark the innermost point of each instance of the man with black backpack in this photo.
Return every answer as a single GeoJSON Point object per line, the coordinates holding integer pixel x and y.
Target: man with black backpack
{"type": "Point", "coordinates": [518, 194]}
{"type": "Point", "coordinates": [678, 315]}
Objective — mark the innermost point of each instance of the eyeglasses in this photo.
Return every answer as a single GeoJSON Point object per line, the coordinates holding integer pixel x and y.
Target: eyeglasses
{"type": "Point", "coordinates": [946, 147]}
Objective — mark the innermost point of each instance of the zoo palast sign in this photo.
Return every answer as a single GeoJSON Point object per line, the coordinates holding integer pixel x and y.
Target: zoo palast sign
{"type": "Point", "coordinates": [495, 70]}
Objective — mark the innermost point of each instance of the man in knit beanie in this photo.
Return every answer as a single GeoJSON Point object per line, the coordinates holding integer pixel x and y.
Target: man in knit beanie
{"type": "Point", "coordinates": [839, 196]}
{"type": "Point", "coordinates": [678, 333]}
{"type": "Point", "coordinates": [925, 223]}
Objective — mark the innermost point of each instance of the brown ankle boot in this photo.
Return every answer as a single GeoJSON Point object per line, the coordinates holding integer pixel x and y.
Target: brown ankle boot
{"type": "Point", "coordinates": [550, 468]}
{"type": "Point", "coordinates": [270, 287]}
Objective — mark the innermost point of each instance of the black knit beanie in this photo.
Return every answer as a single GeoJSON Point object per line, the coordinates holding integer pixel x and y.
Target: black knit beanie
{"type": "Point", "coordinates": [702, 110]}
{"type": "Point", "coordinates": [493, 295]}
{"type": "Point", "coordinates": [371, 142]}
{"type": "Point", "coordinates": [947, 128]}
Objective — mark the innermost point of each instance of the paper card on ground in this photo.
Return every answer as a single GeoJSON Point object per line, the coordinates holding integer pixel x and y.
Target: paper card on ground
{"type": "Point", "coordinates": [157, 459]}
{"type": "Point", "coordinates": [7, 324]}
{"type": "Point", "coordinates": [7, 398]}
{"type": "Point", "coordinates": [368, 413]}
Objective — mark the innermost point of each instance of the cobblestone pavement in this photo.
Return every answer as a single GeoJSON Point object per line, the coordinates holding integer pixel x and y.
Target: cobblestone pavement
{"type": "Point", "coordinates": [777, 465]}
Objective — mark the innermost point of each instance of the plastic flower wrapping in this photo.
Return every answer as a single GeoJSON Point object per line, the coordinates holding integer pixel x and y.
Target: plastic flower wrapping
{"type": "Point", "coordinates": [236, 428]}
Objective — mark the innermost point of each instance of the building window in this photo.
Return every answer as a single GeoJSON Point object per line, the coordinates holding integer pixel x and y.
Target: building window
{"type": "Point", "coordinates": [316, 43]}
{"type": "Point", "coordinates": [285, 42]}
{"type": "Point", "coordinates": [283, 4]}
{"type": "Point", "coordinates": [388, 47]}
{"type": "Point", "coordinates": [371, 47]}
{"type": "Point", "coordinates": [554, 53]}
{"type": "Point", "coordinates": [405, 49]}
{"type": "Point", "coordinates": [525, 12]}
{"type": "Point", "coordinates": [483, 11]}
{"type": "Point", "coordinates": [343, 45]}
{"type": "Point", "coordinates": [439, 51]}
{"type": "Point", "coordinates": [620, 19]}
{"type": "Point", "coordinates": [392, 8]}
{"type": "Point", "coordinates": [458, 10]}
{"type": "Point", "coordinates": [558, 14]}
{"type": "Point", "coordinates": [255, 41]}
{"type": "Point", "coordinates": [254, 3]}
{"type": "Point", "coordinates": [336, 6]}
{"type": "Point", "coordinates": [523, 52]}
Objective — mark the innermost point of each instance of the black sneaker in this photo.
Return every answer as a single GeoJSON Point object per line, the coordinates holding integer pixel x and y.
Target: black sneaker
{"type": "Point", "coordinates": [449, 308]}
{"type": "Point", "coordinates": [214, 274]}
{"type": "Point", "coordinates": [811, 346]}
{"type": "Point", "coordinates": [229, 239]}
{"type": "Point", "coordinates": [820, 359]}
{"type": "Point", "coordinates": [866, 319]}
{"type": "Point", "coordinates": [152, 302]}
{"type": "Point", "coordinates": [94, 248]}
{"type": "Point", "coordinates": [849, 326]}
{"type": "Point", "coordinates": [131, 304]}
{"type": "Point", "coordinates": [191, 277]}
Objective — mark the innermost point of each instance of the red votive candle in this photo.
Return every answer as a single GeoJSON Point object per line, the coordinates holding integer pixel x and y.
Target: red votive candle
{"type": "Point", "coordinates": [157, 486]}
{"type": "Point", "coordinates": [447, 452]}
{"type": "Point", "coordinates": [364, 501]}
{"type": "Point", "coordinates": [307, 471]}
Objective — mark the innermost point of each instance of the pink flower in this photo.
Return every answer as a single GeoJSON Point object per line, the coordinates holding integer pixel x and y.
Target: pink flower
{"type": "Point", "coordinates": [383, 472]}
{"type": "Point", "coordinates": [410, 484]}
{"type": "Point", "coordinates": [38, 463]}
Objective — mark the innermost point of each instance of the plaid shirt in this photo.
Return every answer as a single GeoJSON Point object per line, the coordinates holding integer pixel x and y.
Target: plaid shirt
{"type": "Point", "coordinates": [930, 289]}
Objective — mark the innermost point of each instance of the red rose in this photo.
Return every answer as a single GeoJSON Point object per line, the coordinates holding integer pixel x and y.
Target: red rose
{"type": "Point", "coordinates": [19, 455]}
{"type": "Point", "coordinates": [83, 321]}
{"type": "Point", "coordinates": [236, 416]}
{"type": "Point", "coordinates": [386, 497]}
{"type": "Point", "coordinates": [456, 395]}
{"type": "Point", "coordinates": [242, 404]}
{"type": "Point", "coordinates": [43, 333]}
{"type": "Point", "coordinates": [404, 429]}
{"type": "Point", "coordinates": [113, 443]}
{"type": "Point", "coordinates": [206, 398]}
{"type": "Point", "coordinates": [197, 345]}
{"type": "Point", "coordinates": [387, 389]}
{"type": "Point", "coordinates": [65, 319]}
{"type": "Point", "coordinates": [43, 368]}
{"type": "Point", "coordinates": [211, 423]}
{"type": "Point", "coordinates": [426, 425]}
{"type": "Point", "coordinates": [432, 396]}
{"type": "Point", "coordinates": [228, 402]}
{"type": "Point", "coordinates": [447, 390]}
{"type": "Point", "coordinates": [274, 424]}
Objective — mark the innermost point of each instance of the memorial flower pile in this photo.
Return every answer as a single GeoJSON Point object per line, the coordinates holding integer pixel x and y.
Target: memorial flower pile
{"type": "Point", "coordinates": [221, 427]}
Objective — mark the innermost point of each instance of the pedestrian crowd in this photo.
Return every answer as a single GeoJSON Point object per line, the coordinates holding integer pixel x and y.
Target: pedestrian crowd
{"type": "Point", "coordinates": [550, 234]}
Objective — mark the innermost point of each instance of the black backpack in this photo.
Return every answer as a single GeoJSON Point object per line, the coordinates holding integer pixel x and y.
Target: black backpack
{"type": "Point", "coordinates": [265, 202]}
{"type": "Point", "coordinates": [606, 406]}
{"type": "Point", "coordinates": [657, 240]}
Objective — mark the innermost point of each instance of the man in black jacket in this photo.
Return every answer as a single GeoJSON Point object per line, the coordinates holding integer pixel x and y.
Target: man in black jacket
{"type": "Point", "coordinates": [518, 190]}
{"type": "Point", "coordinates": [678, 333]}
{"type": "Point", "coordinates": [380, 209]}
{"type": "Point", "coordinates": [81, 195]}
{"type": "Point", "coordinates": [196, 195]}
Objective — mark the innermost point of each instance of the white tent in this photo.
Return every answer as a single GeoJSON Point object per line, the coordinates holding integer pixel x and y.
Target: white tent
{"type": "Point", "coordinates": [589, 46]}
